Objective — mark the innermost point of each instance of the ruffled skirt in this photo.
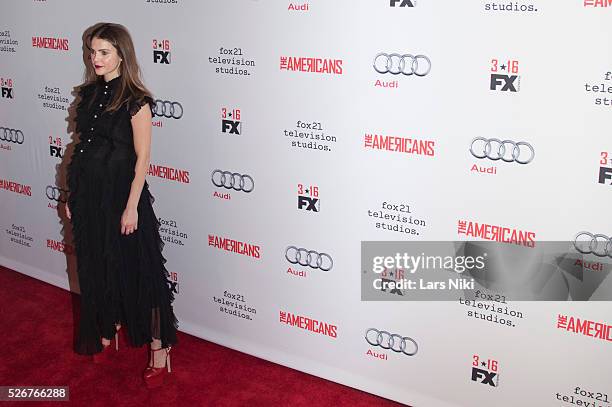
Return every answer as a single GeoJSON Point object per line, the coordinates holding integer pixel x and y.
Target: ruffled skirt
{"type": "Point", "coordinates": [122, 278]}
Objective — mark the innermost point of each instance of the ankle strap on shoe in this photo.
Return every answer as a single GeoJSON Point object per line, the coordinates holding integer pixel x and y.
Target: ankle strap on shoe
{"type": "Point", "coordinates": [167, 349]}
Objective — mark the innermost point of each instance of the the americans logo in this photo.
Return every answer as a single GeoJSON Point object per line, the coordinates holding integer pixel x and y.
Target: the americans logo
{"type": "Point", "coordinates": [308, 64]}
{"type": "Point", "coordinates": [60, 44]}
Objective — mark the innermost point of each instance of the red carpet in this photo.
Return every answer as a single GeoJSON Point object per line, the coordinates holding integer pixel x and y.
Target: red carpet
{"type": "Point", "coordinates": [36, 350]}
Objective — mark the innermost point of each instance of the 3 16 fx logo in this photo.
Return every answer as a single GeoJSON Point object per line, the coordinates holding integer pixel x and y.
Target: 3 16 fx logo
{"type": "Point", "coordinates": [56, 148]}
{"type": "Point", "coordinates": [7, 88]}
{"type": "Point", "coordinates": [485, 371]}
{"type": "Point", "coordinates": [389, 278]}
{"type": "Point", "coordinates": [605, 168]}
{"type": "Point", "coordinates": [230, 121]}
{"type": "Point", "coordinates": [161, 52]}
{"type": "Point", "coordinates": [308, 198]}
{"type": "Point", "coordinates": [505, 76]}
{"type": "Point", "coordinates": [173, 282]}
{"type": "Point", "coordinates": [402, 3]}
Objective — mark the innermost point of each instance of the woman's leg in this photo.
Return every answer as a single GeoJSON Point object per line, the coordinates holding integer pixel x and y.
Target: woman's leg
{"type": "Point", "coordinates": [159, 358]}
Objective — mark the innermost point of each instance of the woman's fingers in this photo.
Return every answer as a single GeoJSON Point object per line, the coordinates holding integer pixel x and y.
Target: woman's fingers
{"type": "Point", "coordinates": [127, 229]}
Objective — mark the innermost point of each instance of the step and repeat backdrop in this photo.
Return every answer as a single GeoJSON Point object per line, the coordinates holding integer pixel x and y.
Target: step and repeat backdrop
{"type": "Point", "coordinates": [286, 133]}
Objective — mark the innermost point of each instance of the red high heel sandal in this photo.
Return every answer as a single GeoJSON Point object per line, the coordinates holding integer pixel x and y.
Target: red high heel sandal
{"type": "Point", "coordinates": [106, 353]}
{"type": "Point", "coordinates": [155, 376]}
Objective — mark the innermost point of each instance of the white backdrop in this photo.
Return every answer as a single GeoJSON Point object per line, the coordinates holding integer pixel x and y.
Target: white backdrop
{"type": "Point", "coordinates": [559, 103]}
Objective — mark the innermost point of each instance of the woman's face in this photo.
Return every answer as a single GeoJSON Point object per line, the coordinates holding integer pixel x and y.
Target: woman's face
{"type": "Point", "coordinates": [104, 58]}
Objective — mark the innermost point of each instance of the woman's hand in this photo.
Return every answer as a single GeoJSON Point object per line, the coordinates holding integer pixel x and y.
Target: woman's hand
{"type": "Point", "coordinates": [68, 214]}
{"type": "Point", "coordinates": [129, 221]}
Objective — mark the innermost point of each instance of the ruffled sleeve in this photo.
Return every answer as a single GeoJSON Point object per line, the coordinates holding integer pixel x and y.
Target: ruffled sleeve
{"type": "Point", "coordinates": [85, 93]}
{"type": "Point", "coordinates": [134, 106]}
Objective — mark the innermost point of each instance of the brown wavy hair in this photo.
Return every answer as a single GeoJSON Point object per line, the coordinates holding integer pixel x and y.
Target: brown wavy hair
{"type": "Point", "coordinates": [131, 87]}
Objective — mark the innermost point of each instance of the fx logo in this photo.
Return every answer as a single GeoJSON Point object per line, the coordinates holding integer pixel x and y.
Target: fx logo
{"type": "Point", "coordinates": [389, 279]}
{"type": "Point", "coordinates": [311, 204]}
{"type": "Point", "coordinates": [404, 3]}
{"type": "Point", "coordinates": [230, 121]}
{"type": "Point", "coordinates": [386, 282]}
{"type": "Point", "coordinates": [7, 93]}
{"type": "Point", "coordinates": [231, 126]}
{"type": "Point", "coordinates": [173, 286]}
{"type": "Point", "coordinates": [484, 376]}
{"type": "Point", "coordinates": [605, 174]}
{"type": "Point", "coordinates": [308, 198]}
{"type": "Point", "coordinates": [56, 151]}
{"type": "Point", "coordinates": [507, 81]}
{"type": "Point", "coordinates": [172, 281]}
{"type": "Point", "coordinates": [161, 57]}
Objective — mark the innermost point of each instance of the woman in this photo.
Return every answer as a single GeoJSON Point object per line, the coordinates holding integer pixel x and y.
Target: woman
{"type": "Point", "coordinates": [121, 270]}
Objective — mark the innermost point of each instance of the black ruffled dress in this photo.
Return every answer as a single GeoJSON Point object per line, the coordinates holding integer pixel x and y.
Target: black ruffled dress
{"type": "Point", "coordinates": [122, 278]}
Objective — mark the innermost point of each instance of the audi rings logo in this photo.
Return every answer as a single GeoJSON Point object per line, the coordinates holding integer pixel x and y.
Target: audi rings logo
{"type": "Point", "coordinates": [165, 108]}
{"type": "Point", "coordinates": [56, 194]}
{"type": "Point", "coordinates": [310, 258]}
{"type": "Point", "coordinates": [395, 342]}
{"type": "Point", "coordinates": [496, 149]}
{"type": "Point", "coordinates": [407, 64]}
{"type": "Point", "coordinates": [233, 180]}
{"type": "Point", "coordinates": [597, 244]}
{"type": "Point", "coordinates": [11, 135]}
